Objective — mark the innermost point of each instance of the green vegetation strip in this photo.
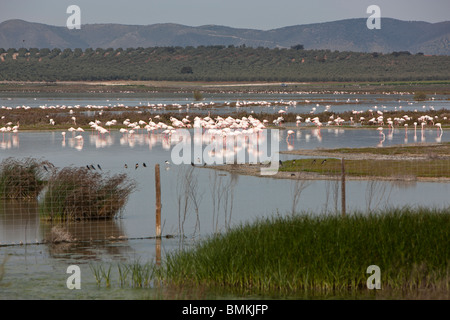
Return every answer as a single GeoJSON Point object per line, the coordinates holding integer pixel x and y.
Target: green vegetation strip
{"type": "Point", "coordinates": [218, 63]}
{"type": "Point", "coordinates": [432, 149]}
{"type": "Point", "coordinates": [436, 168]}
{"type": "Point", "coordinates": [288, 255]}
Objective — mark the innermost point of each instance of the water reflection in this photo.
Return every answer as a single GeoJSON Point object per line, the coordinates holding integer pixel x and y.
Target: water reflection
{"type": "Point", "coordinates": [235, 140]}
{"type": "Point", "coordinates": [19, 221]}
{"type": "Point", "coordinates": [224, 102]}
{"type": "Point", "coordinates": [73, 231]}
{"type": "Point", "coordinates": [85, 238]}
{"type": "Point", "coordinates": [9, 141]}
{"type": "Point", "coordinates": [251, 197]}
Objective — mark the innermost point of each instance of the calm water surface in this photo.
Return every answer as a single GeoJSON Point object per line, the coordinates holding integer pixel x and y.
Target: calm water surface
{"type": "Point", "coordinates": [340, 102]}
{"type": "Point", "coordinates": [39, 271]}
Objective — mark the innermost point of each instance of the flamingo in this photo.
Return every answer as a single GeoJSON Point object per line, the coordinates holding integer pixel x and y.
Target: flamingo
{"type": "Point", "coordinates": [380, 130]}
{"type": "Point", "coordinates": [406, 132]}
{"type": "Point", "coordinates": [289, 134]}
{"type": "Point", "coordinates": [439, 126]}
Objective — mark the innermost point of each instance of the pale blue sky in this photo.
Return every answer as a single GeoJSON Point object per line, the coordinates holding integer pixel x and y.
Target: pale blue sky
{"type": "Point", "coordinates": [255, 14]}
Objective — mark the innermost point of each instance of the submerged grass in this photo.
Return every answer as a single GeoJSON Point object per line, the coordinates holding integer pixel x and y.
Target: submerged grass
{"type": "Point", "coordinates": [80, 194]}
{"type": "Point", "coordinates": [134, 274]}
{"type": "Point", "coordinates": [292, 255]}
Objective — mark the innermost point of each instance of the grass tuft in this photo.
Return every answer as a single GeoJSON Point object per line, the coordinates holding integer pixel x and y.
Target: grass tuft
{"type": "Point", "coordinates": [80, 194]}
{"type": "Point", "coordinates": [22, 179]}
{"type": "Point", "coordinates": [291, 255]}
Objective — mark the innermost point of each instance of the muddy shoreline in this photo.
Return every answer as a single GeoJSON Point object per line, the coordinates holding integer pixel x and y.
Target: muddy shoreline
{"type": "Point", "coordinates": [255, 169]}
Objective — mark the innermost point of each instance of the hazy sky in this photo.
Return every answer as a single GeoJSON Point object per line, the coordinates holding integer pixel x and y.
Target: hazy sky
{"type": "Point", "coordinates": [255, 14]}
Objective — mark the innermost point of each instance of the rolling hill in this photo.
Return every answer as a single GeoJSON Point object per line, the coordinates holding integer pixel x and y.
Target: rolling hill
{"type": "Point", "coordinates": [342, 35]}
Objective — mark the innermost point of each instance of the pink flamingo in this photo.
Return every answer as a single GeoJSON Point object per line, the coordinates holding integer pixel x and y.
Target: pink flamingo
{"type": "Point", "coordinates": [439, 126]}
{"type": "Point", "coordinates": [289, 134]}
{"type": "Point", "coordinates": [382, 135]}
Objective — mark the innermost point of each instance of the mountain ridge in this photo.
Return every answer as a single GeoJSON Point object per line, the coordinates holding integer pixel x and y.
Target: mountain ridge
{"type": "Point", "coordinates": [341, 35]}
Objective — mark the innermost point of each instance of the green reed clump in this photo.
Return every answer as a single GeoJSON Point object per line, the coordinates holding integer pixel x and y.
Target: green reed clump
{"type": "Point", "coordinates": [81, 194]}
{"type": "Point", "coordinates": [23, 179]}
{"type": "Point", "coordinates": [287, 255]}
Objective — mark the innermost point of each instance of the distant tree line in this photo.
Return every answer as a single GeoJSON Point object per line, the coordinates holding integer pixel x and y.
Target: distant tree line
{"type": "Point", "coordinates": [217, 63]}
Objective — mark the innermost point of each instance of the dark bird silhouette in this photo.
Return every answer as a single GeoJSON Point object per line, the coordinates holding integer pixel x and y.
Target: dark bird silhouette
{"type": "Point", "coordinates": [192, 164]}
{"type": "Point", "coordinates": [324, 161]}
{"type": "Point", "coordinates": [92, 167]}
{"type": "Point", "coordinates": [99, 167]}
{"type": "Point", "coordinates": [144, 165]}
{"type": "Point", "coordinates": [45, 168]}
{"type": "Point", "coordinates": [87, 166]}
{"type": "Point", "coordinates": [136, 166]}
{"type": "Point", "coordinates": [281, 162]}
{"type": "Point", "coordinates": [292, 174]}
{"type": "Point", "coordinates": [126, 166]}
{"type": "Point", "coordinates": [314, 161]}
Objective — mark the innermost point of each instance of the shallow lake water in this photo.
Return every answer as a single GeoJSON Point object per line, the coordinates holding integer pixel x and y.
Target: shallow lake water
{"type": "Point", "coordinates": [39, 270]}
{"type": "Point", "coordinates": [305, 101]}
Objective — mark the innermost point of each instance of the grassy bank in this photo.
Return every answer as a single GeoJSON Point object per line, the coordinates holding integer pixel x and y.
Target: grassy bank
{"type": "Point", "coordinates": [294, 255]}
{"type": "Point", "coordinates": [440, 149]}
{"type": "Point", "coordinates": [39, 118]}
{"type": "Point", "coordinates": [404, 169]}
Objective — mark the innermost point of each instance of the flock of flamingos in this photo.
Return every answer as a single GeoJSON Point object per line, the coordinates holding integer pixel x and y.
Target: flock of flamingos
{"type": "Point", "coordinates": [229, 126]}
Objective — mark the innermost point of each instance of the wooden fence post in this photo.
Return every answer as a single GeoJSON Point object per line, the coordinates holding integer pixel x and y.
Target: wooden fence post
{"type": "Point", "coordinates": [343, 187]}
{"type": "Point", "coordinates": [158, 251]}
{"type": "Point", "coordinates": [158, 201]}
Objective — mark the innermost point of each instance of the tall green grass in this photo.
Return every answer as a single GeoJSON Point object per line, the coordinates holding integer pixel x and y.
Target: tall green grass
{"type": "Point", "coordinates": [287, 255]}
{"type": "Point", "coordinates": [134, 274]}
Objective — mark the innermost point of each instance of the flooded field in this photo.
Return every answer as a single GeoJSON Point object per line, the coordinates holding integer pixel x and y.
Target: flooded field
{"type": "Point", "coordinates": [34, 269]}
